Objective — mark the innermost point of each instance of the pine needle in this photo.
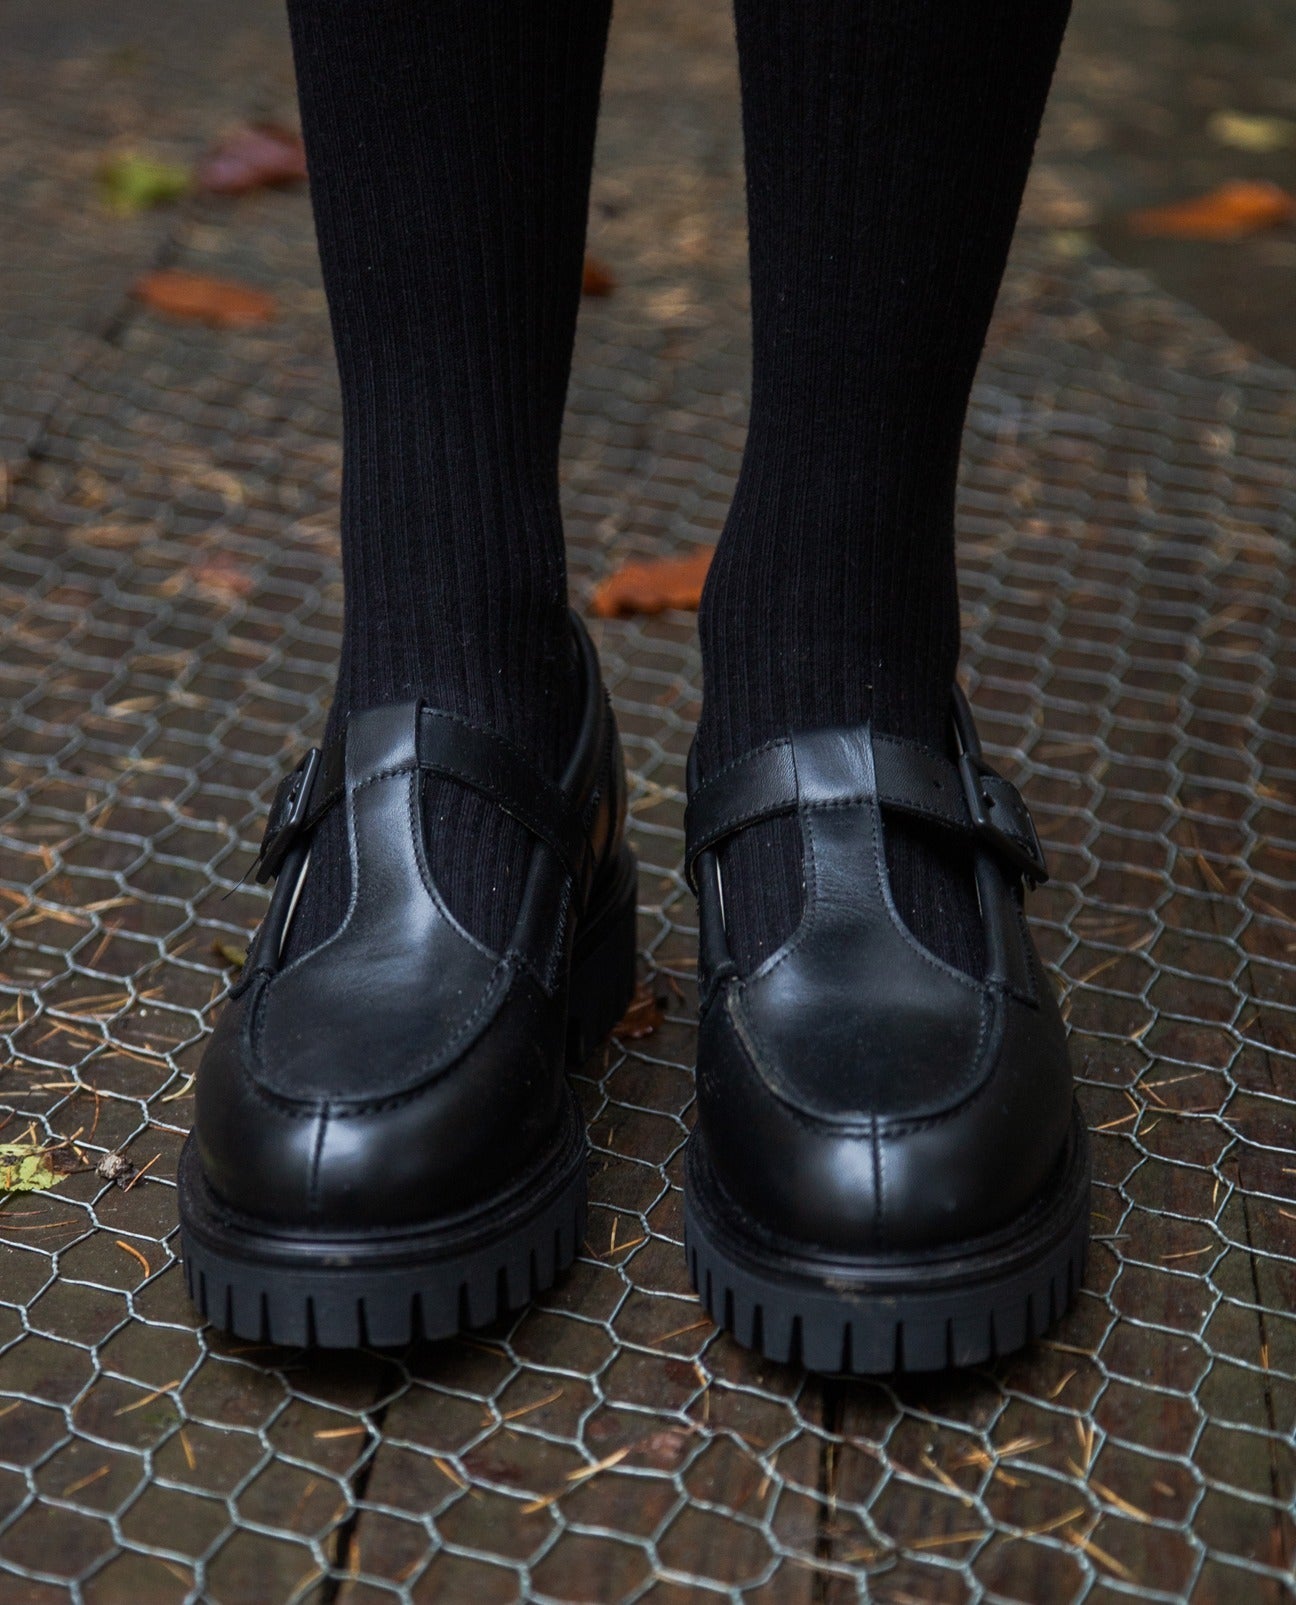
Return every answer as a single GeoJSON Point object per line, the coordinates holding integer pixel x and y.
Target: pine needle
{"type": "Point", "coordinates": [944, 1540]}
{"type": "Point", "coordinates": [84, 1482]}
{"type": "Point", "coordinates": [538, 1404]}
{"type": "Point", "coordinates": [1110, 1561]}
{"type": "Point", "coordinates": [139, 1173]}
{"type": "Point", "coordinates": [693, 1326]}
{"type": "Point", "coordinates": [135, 1254]}
{"type": "Point", "coordinates": [1110, 1497]}
{"type": "Point", "coordinates": [447, 1470]}
{"type": "Point", "coordinates": [149, 1398]}
{"type": "Point", "coordinates": [1053, 1524]}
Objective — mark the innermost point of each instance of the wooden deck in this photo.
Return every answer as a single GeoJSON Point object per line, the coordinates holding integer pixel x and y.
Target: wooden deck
{"type": "Point", "coordinates": [170, 593]}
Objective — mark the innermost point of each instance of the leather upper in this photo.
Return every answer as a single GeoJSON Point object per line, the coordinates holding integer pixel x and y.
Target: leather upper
{"type": "Point", "coordinates": [855, 1092]}
{"type": "Point", "coordinates": [400, 1070]}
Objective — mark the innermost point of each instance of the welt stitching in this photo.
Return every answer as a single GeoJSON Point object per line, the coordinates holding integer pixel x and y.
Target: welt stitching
{"type": "Point", "coordinates": [899, 926]}
{"type": "Point", "coordinates": [319, 809]}
{"type": "Point", "coordinates": [794, 804]}
{"type": "Point", "coordinates": [415, 808]}
{"type": "Point", "coordinates": [493, 737]}
{"type": "Point", "coordinates": [749, 1037]}
{"type": "Point", "coordinates": [716, 833]}
{"type": "Point", "coordinates": [737, 763]}
{"type": "Point", "coordinates": [499, 794]}
{"type": "Point", "coordinates": [385, 774]}
{"type": "Point", "coordinates": [353, 895]}
{"type": "Point", "coordinates": [425, 872]}
{"type": "Point", "coordinates": [809, 917]}
{"type": "Point", "coordinates": [810, 911]}
{"type": "Point", "coordinates": [256, 1038]}
{"type": "Point", "coordinates": [537, 827]}
{"type": "Point", "coordinates": [317, 1157]}
{"type": "Point", "coordinates": [505, 746]}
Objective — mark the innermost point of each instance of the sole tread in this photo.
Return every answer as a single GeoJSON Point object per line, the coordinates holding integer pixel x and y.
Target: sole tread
{"type": "Point", "coordinates": [364, 1302]}
{"type": "Point", "coordinates": [895, 1319]}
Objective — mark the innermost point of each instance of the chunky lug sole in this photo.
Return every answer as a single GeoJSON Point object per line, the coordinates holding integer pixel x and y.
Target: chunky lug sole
{"type": "Point", "coordinates": [328, 1289]}
{"type": "Point", "coordinates": [963, 1306]}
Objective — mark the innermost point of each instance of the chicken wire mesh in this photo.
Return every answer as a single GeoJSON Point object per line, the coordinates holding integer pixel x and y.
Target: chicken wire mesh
{"type": "Point", "coordinates": [168, 574]}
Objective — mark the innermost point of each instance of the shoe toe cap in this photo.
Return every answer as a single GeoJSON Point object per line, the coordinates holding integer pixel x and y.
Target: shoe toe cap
{"type": "Point", "coordinates": [957, 1149]}
{"type": "Point", "coordinates": [433, 1150]}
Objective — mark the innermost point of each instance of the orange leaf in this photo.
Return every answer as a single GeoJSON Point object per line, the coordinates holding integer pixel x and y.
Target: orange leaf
{"type": "Point", "coordinates": [597, 278]}
{"type": "Point", "coordinates": [223, 576]}
{"type": "Point", "coordinates": [1241, 207]}
{"type": "Point", "coordinates": [643, 1016]}
{"type": "Point", "coordinates": [220, 576]}
{"type": "Point", "coordinates": [675, 582]}
{"type": "Point", "coordinates": [195, 298]}
{"type": "Point", "coordinates": [253, 158]}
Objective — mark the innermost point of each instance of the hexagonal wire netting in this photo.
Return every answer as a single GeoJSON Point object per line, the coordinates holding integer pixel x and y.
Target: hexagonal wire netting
{"type": "Point", "coordinates": [169, 580]}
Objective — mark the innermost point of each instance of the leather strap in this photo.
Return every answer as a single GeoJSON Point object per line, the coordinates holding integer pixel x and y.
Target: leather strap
{"type": "Point", "coordinates": [842, 766]}
{"type": "Point", "coordinates": [447, 746]}
{"type": "Point", "coordinates": [492, 765]}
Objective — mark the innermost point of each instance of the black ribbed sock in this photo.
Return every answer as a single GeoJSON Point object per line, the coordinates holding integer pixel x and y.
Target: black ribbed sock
{"type": "Point", "coordinates": [887, 144]}
{"type": "Point", "coordinates": [449, 147]}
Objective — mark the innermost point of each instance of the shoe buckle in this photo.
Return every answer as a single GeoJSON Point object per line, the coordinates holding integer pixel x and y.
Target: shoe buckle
{"type": "Point", "coordinates": [1020, 846]}
{"type": "Point", "coordinates": [288, 814]}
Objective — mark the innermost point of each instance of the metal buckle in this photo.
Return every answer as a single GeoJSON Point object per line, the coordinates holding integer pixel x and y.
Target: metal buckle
{"type": "Point", "coordinates": [1027, 858]}
{"type": "Point", "coordinates": [287, 816]}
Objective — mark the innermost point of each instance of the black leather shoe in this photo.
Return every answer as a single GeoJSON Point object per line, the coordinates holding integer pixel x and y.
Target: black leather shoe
{"type": "Point", "coordinates": [385, 1145]}
{"type": "Point", "coordinates": [889, 1170]}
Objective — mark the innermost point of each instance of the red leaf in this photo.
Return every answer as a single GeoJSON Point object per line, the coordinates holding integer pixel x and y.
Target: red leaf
{"type": "Point", "coordinates": [195, 298]}
{"type": "Point", "coordinates": [664, 1449]}
{"type": "Point", "coordinates": [1241, 207]}
{"type": "Point", "coordinates": [597, 279]}
{"type": "Point", "coordinates": [256, 157]}
{"type": "Point", "coordinates": [675, 582]}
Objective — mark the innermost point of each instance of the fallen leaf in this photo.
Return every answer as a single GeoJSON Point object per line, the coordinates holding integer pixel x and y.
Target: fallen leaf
{"type": "Point", "coordinates": [643, 1016]}
{"type": "Point", "coordinates": [235, 957]}
{"type": "Point", "coordinates": [195, 298]}
{"type": "Point", "coordinates": [116, 537]}
{"type": "Point", "coordinates": [1241, 207]}
{"type": "Point", "coordinates": [597, 279]}
{"type": "Point", "coordinates": [115, 1167]}
{"type": "Point", "coordinates": [223, 577]}
{"type": "Point", "coordinates": [1070, 242]}
{"type": "Point", "coordinates": [256, 157]}
{"type": "Point", "coordinates": [27, 1168]}
{"type": "Point", "coordinates": [674, 582]}
{"type": "Point", "coordinates": [131, 184]}
{"type": "Point", "coordinates": [1259, 135]}
{"type": "Point", "coordinates": [662, 1449]}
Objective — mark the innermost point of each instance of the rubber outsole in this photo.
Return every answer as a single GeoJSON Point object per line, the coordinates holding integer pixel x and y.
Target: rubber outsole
{"type": "Point", "coordinates": [892, 1313]}
{"type": "Point", "coordinates": [337, 1291]}
{"type": "Point", "coordinates": [322, 1288]}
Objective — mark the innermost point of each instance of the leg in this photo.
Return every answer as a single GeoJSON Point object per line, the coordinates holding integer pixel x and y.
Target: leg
{"type": "Point", "coordinates": [450, 147]}
{"type": "Point", "coordinates": [887, 145]}
{"type": "Point", "coordinates": [385, 1143]}
{"type": "Point", "coordinates": [888, 1169]}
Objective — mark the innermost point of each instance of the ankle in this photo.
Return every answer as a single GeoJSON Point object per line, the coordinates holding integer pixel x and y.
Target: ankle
{"type": "Point", "coordinates": [514, 674]}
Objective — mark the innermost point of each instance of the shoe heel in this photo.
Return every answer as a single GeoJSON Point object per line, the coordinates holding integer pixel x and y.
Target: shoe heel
{"type": "Point", "coordinates": [603, 965]}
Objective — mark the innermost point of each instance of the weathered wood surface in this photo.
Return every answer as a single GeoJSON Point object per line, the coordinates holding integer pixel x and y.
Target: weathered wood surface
{"type": "Point", "coordinates": [1128, 566]}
